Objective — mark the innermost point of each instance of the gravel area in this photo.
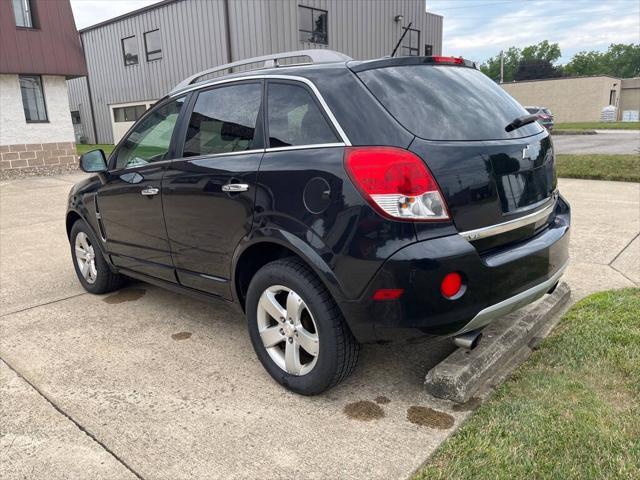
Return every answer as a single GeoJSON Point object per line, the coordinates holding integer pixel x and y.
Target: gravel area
{"type": "Point", "coordinates": [43, 171]}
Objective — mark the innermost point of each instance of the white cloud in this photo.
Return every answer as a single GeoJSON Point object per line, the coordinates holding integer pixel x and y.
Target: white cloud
{"type": "Point", "coordinates": [480, 32]}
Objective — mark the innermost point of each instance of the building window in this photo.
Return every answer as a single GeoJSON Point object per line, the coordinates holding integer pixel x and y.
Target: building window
{"type": "Point", "coordinates": [153, 45]}
{"type": "Point", "coordinates": [428, 50]}
{"type": "Point", "coordinates": [35, 110]}
{"type": "Point", "coordinates": [23, 13]}
{"type": "Point", "coordinates": [130, 50]}
{"type": "Point", "coordinates": [411, 43]}
{"type": "Point", "coordinates": [75, 117]}
{"type": "Point", "coordinates": [128, 114]}
{"type": "Point", "coordinates": [313, 25]}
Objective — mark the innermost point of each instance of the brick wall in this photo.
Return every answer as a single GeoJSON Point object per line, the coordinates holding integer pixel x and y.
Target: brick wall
{"type": "Point", "coordinates": [20, 156]}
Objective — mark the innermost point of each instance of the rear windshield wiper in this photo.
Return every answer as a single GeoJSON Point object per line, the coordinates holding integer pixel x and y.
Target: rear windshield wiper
{"type": "Point", "coordinates": [521, 122]}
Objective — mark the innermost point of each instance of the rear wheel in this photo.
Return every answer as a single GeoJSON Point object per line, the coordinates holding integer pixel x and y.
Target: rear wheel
{"type": "Point", "coordinates": [91, 268]}
{"type": "Point", "coordinates": [297, 329]}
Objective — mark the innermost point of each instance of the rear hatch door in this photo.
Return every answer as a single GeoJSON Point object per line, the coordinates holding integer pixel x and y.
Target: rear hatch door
{"type": "Point", "coordinates": [487, 175]}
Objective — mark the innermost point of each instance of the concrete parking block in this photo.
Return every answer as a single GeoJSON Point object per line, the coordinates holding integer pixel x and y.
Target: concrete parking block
{"type": "Point", "coordinates": [38, 442]}
{"type": "Point", "coordinates": [464, 372]}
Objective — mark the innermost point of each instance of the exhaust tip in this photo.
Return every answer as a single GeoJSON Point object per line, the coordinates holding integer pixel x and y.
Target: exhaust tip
{"type": "Point", "coordinates": [469, 340]}
{"type": "Point", "coordinates": [550, 291]}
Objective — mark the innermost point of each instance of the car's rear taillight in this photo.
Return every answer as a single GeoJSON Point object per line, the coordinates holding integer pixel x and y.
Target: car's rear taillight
{"type": "Point", "coordinates": [396, 182]}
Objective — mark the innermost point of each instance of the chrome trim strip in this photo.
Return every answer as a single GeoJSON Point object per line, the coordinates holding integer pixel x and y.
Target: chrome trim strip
{"type": "Point", "coordinates": [499, 228]}
{"type": "Point", "coordinates": [293, 78]}
{"type": "Point", "coordinates": [487, 315]}
{"type": "Point", "coordinates": [304, 147]}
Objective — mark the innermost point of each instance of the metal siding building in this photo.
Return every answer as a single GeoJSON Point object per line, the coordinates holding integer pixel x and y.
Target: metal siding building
{"type": "Point", "coordinates": [194, 37]}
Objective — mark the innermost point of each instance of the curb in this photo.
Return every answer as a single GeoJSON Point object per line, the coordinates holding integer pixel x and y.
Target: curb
{"type": "Point", "coordinates": [505, 344]}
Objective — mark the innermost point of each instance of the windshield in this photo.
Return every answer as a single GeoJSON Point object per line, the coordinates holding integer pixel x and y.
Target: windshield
{"type": "Point", "coordinates": [532, 110]}
{"type": "Point", "coordinates": [447, 103]}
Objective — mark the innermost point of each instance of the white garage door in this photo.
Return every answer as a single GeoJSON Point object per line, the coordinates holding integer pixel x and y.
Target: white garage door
{"type": "Point", "coordinates": [124, 115]}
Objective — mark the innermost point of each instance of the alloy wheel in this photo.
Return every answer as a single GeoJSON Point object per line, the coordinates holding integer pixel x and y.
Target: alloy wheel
{"type": "Point", "coordinates": [288, 330]}
{"type": "Point", "coordinates": [86, 257]}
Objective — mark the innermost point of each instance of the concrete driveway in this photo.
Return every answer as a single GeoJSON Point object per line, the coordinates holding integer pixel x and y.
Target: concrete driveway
{"type": "Point", "coordinates": [144, 383]}
{"type": "Point", "coordinates": [604, 142]}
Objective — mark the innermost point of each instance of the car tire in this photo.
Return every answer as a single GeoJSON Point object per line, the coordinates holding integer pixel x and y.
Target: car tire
{"type": "Point", "coordinates": [312, 315]}
{"type": "Point", "coordinates": [92, 270]}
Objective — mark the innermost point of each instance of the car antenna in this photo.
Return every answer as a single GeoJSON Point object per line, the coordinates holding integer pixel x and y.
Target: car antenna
{"type": "Point", "coordinates": [406, 30]}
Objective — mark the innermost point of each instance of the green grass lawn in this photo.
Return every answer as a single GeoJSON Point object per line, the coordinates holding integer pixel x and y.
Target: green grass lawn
{"type": "Point", "coordinates": [624, 168]}
{"type": "Point", "coordinates": [571, 411]}
{"type": "Point", "coordinates": [598, 126]}
{"type": "Point", "coordinates": [87, 148]}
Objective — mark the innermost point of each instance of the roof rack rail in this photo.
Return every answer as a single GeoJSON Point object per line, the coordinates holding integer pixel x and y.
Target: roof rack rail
{"type": "Point", "coordinates": [319, 55]}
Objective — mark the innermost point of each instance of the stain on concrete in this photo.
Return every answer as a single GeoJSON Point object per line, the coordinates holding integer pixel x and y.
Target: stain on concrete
{"type": "Point", "coordinates": [181, 335]}
{"type": "Point", "coordinates": [428, 417]}
{"type": "Point", "coordinates": [471, 404]}
{"type": "Point", "coordinates": [364, 410]}
{"type": "Point", "coordinates": [128, 295]}
{"type": "Point", "coordinates": [382, 400]}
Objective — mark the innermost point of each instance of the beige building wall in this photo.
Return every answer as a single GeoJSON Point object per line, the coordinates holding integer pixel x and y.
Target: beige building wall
{"type": "Point", "coordinates": [630, 94]}
{"type": "Point", "coordinates": [577, 99]}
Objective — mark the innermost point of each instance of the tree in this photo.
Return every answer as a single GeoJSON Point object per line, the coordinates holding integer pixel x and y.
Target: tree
{"type": "Point", "coordinates": [536, 69]}
{"type": "Point", "coordinates": [544, 51]}
{"type": "Point", "coordinates": [620, 60]}
{"type": "Point", "coordinates": [513, 57]}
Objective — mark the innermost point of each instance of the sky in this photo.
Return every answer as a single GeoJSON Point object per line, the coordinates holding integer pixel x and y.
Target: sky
{"type": "Point", "coordinates": [479, 29]}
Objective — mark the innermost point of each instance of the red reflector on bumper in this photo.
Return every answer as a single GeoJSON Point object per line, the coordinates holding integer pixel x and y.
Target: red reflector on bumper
{"type": "Point", "coordinates": [451, 284]}
{"type": "Point", "coordinates": [388, 294]}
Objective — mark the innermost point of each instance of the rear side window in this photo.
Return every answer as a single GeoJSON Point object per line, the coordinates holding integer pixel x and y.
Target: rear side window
{"type": "Point", "coordinates": [446, 103]}
{"type": "Point", "coordinates": [294, 117]}
{"type": "Point", "coordinates": [223, 120]}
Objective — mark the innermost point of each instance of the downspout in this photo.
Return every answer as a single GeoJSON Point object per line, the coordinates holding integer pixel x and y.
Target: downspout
{"type": "Point", "coordinates": [93, 115]}
{"type": "Point", "coordinates": [227, 29]}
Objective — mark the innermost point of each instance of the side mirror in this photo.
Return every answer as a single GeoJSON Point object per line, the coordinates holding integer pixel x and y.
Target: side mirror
{"type": "Point", "coordinates": [93, 162]}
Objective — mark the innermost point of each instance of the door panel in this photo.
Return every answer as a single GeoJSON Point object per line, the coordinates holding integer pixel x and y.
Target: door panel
{"type": "Point", "coordinates": [134, 223]}
{"type": "Point", "coordinates": [130, 201]}
{"type": "Point", "coordinates": [204, 223]}
{"type": "Point", "coordinates": [208, 194]}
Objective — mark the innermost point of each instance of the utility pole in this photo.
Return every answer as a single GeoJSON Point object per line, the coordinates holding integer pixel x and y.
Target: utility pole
{"type": "Point", "coordinates": [501, 66]}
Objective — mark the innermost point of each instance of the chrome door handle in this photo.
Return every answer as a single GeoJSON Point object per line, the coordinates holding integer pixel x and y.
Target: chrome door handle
{"type": "Point", "coordinates": [150, 191]}
{"type": "Point", "coordinates": [235, 187]}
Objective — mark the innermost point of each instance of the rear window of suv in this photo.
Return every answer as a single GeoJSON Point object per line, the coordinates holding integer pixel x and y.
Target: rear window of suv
{"type": "Point", "coordinates": [446, 103]}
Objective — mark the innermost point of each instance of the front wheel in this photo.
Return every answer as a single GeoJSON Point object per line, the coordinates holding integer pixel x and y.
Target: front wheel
{"type": "Point", "coordinates": [91, 268]}
{"type": "Point", "coordinates": [297, 330]}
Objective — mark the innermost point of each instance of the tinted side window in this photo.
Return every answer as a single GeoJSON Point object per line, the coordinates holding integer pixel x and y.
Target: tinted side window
{"type": "Point", "coordinates": [150, 139]}
{"type": "Point", "coordinates": [294, 117]}
{"type": "Point", "coordinates": [223, 120]}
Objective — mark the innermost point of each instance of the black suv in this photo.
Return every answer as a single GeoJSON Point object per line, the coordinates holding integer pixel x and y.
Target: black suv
{"type": "Point", "coordinates": [337, 202]}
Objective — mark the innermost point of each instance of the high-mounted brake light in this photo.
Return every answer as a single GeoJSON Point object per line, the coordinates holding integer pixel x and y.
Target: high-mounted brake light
{"type": "Point", "coordinates": [396, 182]}
{"type": "Point", "coordinates": [454, 60]}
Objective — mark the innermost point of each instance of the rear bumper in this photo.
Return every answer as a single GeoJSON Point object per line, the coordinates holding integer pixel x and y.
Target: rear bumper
{"type": "Point", "coordinates": [497, 310]}
{"type": "Point", "coordinates": [496, 284]}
